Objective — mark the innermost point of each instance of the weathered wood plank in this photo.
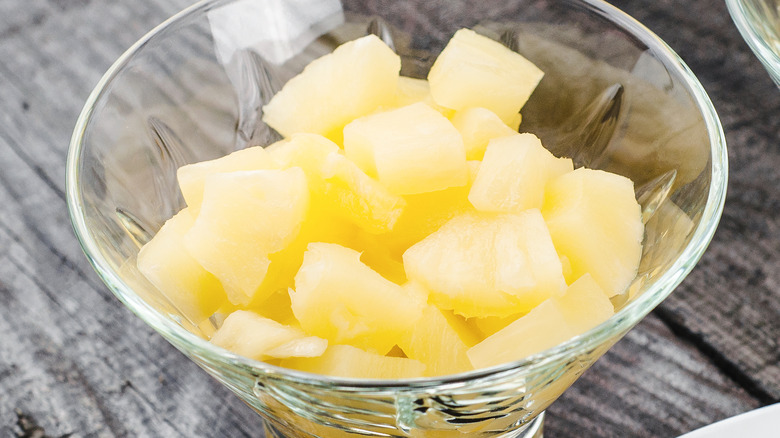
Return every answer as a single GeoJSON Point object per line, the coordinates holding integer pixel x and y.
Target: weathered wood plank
{"type": "Point", "coordinates": [650, 384]}
{"type": "Point", "coordinates": [74, 361]}
{"type": "Point", "coordinates": [730, 304]}
{"type": "Point", "coordinates": [73, 356]}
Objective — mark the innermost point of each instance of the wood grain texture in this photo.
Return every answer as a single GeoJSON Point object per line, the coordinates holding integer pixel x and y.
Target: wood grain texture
{"type": "Point", "coordinates": [730, 304]}
{"type": "Point", "coordinates": [74, 362]}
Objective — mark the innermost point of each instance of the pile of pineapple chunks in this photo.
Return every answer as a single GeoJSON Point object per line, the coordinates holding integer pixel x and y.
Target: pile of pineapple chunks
{"type": "Point", "coordinates": [403, 227]}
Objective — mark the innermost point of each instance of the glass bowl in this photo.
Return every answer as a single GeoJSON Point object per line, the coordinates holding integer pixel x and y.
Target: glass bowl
{"type": "Point", "coordinates": [614, 97]}
{"type": "Point", "coordinates": [759, 23]}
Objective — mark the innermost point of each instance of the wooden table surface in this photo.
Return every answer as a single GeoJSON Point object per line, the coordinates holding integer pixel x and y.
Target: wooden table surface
{"type": "Point", "coordinates": [74, 362]}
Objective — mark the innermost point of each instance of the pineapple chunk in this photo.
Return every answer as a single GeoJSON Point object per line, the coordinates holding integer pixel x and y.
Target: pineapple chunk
{"type": "Point", "coordinates": [478, 126]}
{"type": "Point", "coordinates": [251, 335]}
{"type": "Point", "coordinates": [427, 212]}
{"type": "Point", "coordinates": [245, 217]}
{"type": "Point", "coordinates": [353, 81]}
{"type": "Point", "coordinates": [488, 265]}
{"type": "Point", "coordinates": [192, 177]}
{"type": "Point", "coordinates": [437, 344]}
{"type": "Point", "coordinates": [378, 257]}
{"type": "Point", "coordinates": [410, 150]}
{"type": "Point", "coordinates": [276, 307]}
{"type": "Point", "coordinates": [319, 226]}
{"type": "Point", "coordinates": [165, 262]}
{"type": "Point", "coordinates": [339, 298]}
{"type": "Point", "coordinates": [412, 90]}
{"type": "Point", "coordinates": [307, 151]}
{"type": "Point", "coordinates": [595, 222]}
{"type": "Point", "coordinates": [582, 307]}
{"type": "Point", "coordinates": [491, 324]}
{"type": "Point", "coordinates": [475, 71]}
{"type": "Point", "coordinates": [348, 361]}
{"type": "Point", "coordinates": [514, 173]}
{"type": "Point", "coordinates": [358, 198]}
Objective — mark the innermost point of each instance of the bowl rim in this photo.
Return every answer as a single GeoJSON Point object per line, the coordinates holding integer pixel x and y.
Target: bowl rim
{"type": "Point", "coordinates": [193, 345]}
{"type": "Point", "coordinates": [753, 38]}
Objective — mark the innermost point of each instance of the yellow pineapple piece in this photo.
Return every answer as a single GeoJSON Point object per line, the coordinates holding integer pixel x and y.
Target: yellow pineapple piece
{"type": "Point", "coordinates": [467, 333]}
{"type": "Point", "coordinates": [253, 336]}
{"type": "Point", "coordinates": [582, 307]}
{"type": "Point", "coordinates": [425, 213]}
{"type": "Point", "coordinates": [514, 124]}
{"type": "Point", "coordinates": [192, 177]}
{"type": "Point", "coordinates": [412, 149]}
{"type": "Point", "coordinates": [276, 307]}
{"type": "Point", "coordinates": [319, 226]}
{"type": "Point", "coordinates": [166, 263]}
{"type": "Point", "coordinates": [491, 324]}
{"type": "Point", "coordinates": [245, 217]}
{"type": "Point", "coordinates": [412, 90]}
{"type": "Point", "coordinates": [354, 80]}
{"type": "Point", "coordinates": [348, 361]}
{"type": "Point", "coordinates": [436, 343]}
{"type": "Point", "coordinates": [379, 258]}
{"type": "Point", "coordinates": [355, 196]}
{"type": "Point", "coordinates": [488, 265]}
{"type": "Point", "coordinates": [307, 151]}
{"type": "Point", "coordinates": [514, 173]}
{"type": "Point", "coordinates": [595, 222]}
{"type": "Point", "coordinates": [475, 71]}
{"type": "Point", "coordinates": [478, 126]}
{"type": "Point", "coordinates": [339, 298]}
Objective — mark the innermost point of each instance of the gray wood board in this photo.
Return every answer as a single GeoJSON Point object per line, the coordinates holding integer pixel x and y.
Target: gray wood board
{"type": "Point", "coordinates": [730, 304]}
{"type": "Point", "coordinates": [74, 361]}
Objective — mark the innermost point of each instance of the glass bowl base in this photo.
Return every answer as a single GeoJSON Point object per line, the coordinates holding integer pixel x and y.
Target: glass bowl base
{"type": "Point", "coordinates": [534, 429]}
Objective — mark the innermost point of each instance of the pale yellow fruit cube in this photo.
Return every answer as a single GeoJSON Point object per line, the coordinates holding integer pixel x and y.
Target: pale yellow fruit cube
{"type": "Point", "coordinates": [192, 177]}
{"type": "Point", "coordinates": [256, 337]}
{"type": "Point", "coordinates": [514, 173]}
{"type": "Point", "coordinates": [413, 149]}
{"type": "Point", "coordinates": [358, 198]}
{"type": "Point", "coordinates": [348, 361]}
{"type": "Point", "coordinates": [319, 226]}
{"type": "Point", "coordinates": [595, 222]}
{"type": "Point", "coordinates": [482, 265]}
{"type": "Point", "coordinates": [478, 126]}
{"type": "Point", "coordinates": [491, 324]}
{"type": "Point", "coordinates": [167, 264]}
{"type": "Point", "coordinates": [277, 307]}
{"type": "Point", "coordinates": [582, 307]}
{"type": "Point", "coordinates": [245, 217]}
{"type": "Point", "coordinates": [475, 71]}
{"type": "Point", "coordinates": [376, 255]}
{"type": "Point", "coordinates": [339, 298]}
{"type": "Point", "coordinates": [436, 342]}
{"type": "Point", "coordinates": [413, 90]}
{"type": "Point", "coordinates": [307, 151]}
{"type": "Point", "coordinates": [354, 80]}
{"type": "Point", "coordinates": [425, 213]}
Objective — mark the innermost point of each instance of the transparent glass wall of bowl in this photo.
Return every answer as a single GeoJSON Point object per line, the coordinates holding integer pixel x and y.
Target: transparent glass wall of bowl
{"type": "Point", "coordinates": [759, 23]}
{"type": "Point", "coordinates": [613, 97]}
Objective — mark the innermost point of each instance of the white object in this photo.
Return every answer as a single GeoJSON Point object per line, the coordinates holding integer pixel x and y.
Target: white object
{"type": "Point", "coordinates": [278, 30]}
{"type": "Point", "coordinates": [759, 423]}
